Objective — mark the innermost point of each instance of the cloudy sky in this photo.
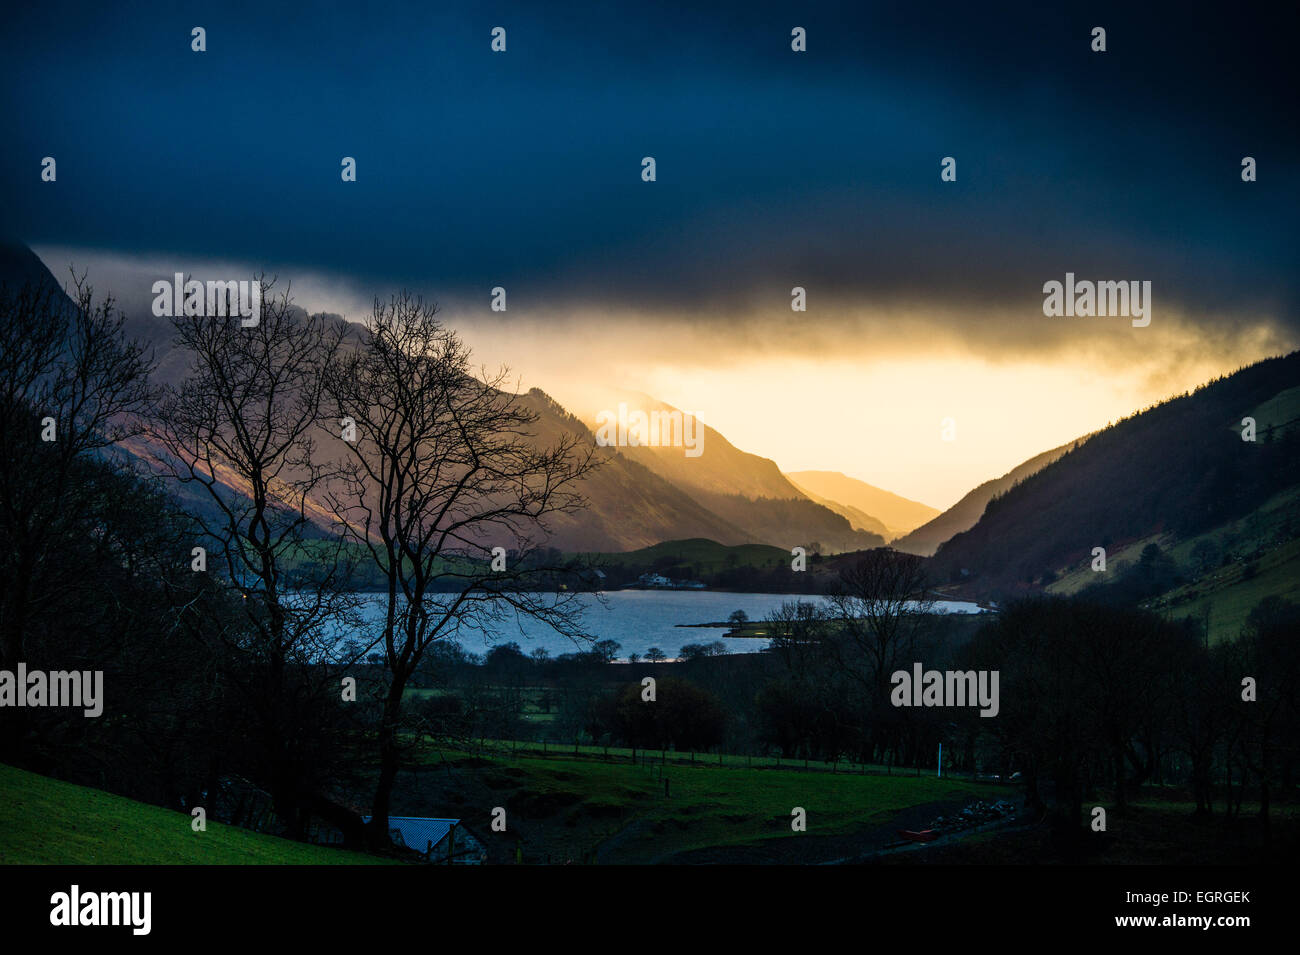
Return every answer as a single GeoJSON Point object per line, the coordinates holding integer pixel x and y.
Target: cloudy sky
{"type": "Point", "coordinates": [821, 169]}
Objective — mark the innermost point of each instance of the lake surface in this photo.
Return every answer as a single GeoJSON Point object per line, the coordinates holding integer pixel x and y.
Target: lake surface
{"type": "Point", "coordinates": [640, 619]}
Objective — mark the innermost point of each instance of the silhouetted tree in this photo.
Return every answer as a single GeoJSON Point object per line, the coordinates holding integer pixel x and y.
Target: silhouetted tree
{"type": "Point", "coordinates": [445, 462]}
{"type": "Point", "coordinates": [71, 386]}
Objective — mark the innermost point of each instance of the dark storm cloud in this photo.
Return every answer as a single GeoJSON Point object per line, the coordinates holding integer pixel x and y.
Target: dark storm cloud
{"type": "Point", "coordinates": [774, 168]}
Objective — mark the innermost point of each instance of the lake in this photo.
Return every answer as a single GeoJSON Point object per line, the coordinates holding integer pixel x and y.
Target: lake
{"type": "Point", "coordinates": [640, 619]}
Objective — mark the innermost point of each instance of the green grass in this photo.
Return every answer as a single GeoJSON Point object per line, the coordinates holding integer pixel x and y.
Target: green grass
{"type": "Point", "coordinates": [1071, 580]}
{"type": "Point", "coordinates": [575, 804]}
{"type": "Point", "coordinates": [719, 807]}
{"type": "Point", "coordinates": [1282, 409]}
{"type": "Point", "coordinates": [1230, 596]}
{"type": "Point", "coordinates": [526, 748]}
{"type": "Point", "coordinates": [45, 821]}
{"type": "Point", "coordinates": [709, 556]}
{"type": "Point", "coordinates": [1226, 591]}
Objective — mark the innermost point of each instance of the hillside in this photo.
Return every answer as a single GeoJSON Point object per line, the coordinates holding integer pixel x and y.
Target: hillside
{"type": "Point", "coordinates": [857, 518]}
{"type": "Point", "coordinates": [635, 499]}
{"type": "Point", "coordinates": [1180, 468]}
{"type": "Point", "coordinates": [898, 514]}
{"type": "Point", "coordinates": [1220, 576]}
{"type": "Point", "coordinates": [45, 821]}
{"type": "Point", "coordinates": [746, 490]}
{"type": "Point", "coordinates": [630, 505]}
{"type": "Point", "coordinates": [925, 540]}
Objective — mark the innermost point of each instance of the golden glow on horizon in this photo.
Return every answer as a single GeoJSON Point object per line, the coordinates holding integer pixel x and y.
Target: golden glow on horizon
{"type": "Point", "coordinates": [846, 387]}
{"type": "Point", "coordinates": [875, 413]}
{"type": "Point", "coordinates": [872, 422]}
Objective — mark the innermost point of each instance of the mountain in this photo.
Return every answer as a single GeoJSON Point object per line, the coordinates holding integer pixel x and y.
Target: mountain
{"type": "Point", "coordinates": [635, 499]}
{"type": "Point", "coordinates": [1177, 470]}
{"type": "Point", "coordinates": [19, 265]}
{"type": "Point", "coordinates": [630, 506]}
{"type": "Point", "coordinates": [898, 514]}
{"type": "Point", "coordinates": [925, 540]}
{"type": "Point", "coordinates": [859, 519]}
{"type": "Point", "coordinates": [746, 490]}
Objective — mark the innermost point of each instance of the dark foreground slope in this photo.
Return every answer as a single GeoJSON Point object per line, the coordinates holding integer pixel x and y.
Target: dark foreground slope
{"type": "Point", "coordinates": [1179, 468]}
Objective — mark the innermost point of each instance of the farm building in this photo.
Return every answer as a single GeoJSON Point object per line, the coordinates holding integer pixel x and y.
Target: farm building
{"type": "Point", "coordinates": [437, 840]}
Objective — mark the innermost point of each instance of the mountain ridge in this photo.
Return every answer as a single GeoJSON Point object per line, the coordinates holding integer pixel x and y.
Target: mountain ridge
{"type": "Point", "coordinates": [925, 540]}
{"type": "Point", "coordinates": [1180, 467]}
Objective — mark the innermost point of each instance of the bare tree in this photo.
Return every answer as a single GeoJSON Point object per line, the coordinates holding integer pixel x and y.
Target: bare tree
{"type": "Point", "coordinates": [444, 467]}
{"type": "Point", "coordinates": [241, 428]}
{"type": "Point", "coordinates": [798, 632]}
{"type": "Point", "coordinates": [880, 603]}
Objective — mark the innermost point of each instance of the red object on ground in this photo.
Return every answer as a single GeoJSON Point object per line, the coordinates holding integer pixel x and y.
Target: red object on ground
{"type": "Point", "coordinates": [925, 835]}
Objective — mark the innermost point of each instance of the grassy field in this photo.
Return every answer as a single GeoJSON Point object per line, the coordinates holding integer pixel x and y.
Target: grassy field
{"type": "Point", "coordinates": [530, 748]}
{"type": "Point", "coordinates": [562, 808]}
{"type": "Point", "coordinates": [47, 822]}
{"type": "Point", "coordinates": [1071, 580]}
{"type": "Point", "coordinates": [1228, 592]}
{"type": "Point", "coordinates": [584, 808]}
{"type": "Point", "coordinates": [590, 808]}
{"type": "Point", "coordinates": [709, 556]}
{"type": "Point", "coordinates": [1280, 410]}
{"type": "Point", "coordinates": [1232, 595]}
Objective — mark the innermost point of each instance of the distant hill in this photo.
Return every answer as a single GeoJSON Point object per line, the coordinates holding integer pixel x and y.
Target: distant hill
{"type": "Point", "coordinates": [859, 519]}
{"type": "Point", "coordinates": [898, 514]}
{"type": "Point", "coordinates": [631, 506]}
{"type": "Point", "coordinates": [705, 554]}
{"type": "Point", "coordinates": [1180, 468]}
{"type": "Point", "coordinates": [925, 540]}
{"type": "Point", "coordinates": [746, 490]}
{"type": "Point", "coordinates": [20, 265]}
